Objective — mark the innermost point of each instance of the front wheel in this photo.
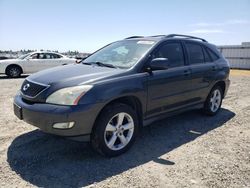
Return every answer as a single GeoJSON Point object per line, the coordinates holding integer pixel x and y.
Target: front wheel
{"type": "Point", "coordinates": [14, 71]}
{"type": "Point", "coordinates": [115, 130]}
{"type": "Point", "coordinates": [214, 101]}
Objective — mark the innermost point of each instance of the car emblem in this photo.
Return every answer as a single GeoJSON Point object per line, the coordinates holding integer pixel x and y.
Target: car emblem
{"type": "Point", "coordinates": [26, 86]}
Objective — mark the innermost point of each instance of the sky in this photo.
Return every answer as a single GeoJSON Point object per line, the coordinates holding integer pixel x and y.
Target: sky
{"type": "Point", "coordinates": [86, 25]}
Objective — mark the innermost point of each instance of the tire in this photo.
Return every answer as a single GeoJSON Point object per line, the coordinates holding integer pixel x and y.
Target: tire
{"type": "Point", "coordinates": [14, 71]}
{"type": "Point", "coordinates": [111, 136]}
{"type": "Point", "coordinates": [213, 102]}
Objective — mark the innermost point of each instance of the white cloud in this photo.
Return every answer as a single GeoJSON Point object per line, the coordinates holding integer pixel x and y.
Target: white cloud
{"type": "Point", "coordinates": [206, 24]}
{"type": "Point", "coordinates": [206, 31]}
{"type": "Point", "coordinates": [232, 22]}
{"type": "Point", "coordinates": [228, 22]}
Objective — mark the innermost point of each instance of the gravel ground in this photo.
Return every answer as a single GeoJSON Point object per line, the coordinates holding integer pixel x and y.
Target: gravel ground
{"type": "Point", "coordinates": [188, 150]}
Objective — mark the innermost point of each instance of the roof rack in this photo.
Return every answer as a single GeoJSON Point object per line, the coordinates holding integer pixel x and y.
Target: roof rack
{"type": "Point", "coordinates": [134, 37]}
{"type": "Point", "coordinates": [158, 36]}
{"type": "Point", "coordinates": [170, 36]}
{"type": "Point", "coordinates": [186, 36]}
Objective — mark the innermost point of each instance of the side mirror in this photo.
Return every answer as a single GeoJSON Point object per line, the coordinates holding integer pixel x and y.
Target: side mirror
{"type": "Point", "coordinates": [159, 64]}
{"type": "Point", "coordinates": [78, 61]}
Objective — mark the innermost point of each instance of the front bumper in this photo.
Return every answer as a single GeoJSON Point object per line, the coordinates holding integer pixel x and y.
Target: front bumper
{"type": "Point", "coordinates": [2, 68]}
{"type": "Point", "coordinates": [43, 116]}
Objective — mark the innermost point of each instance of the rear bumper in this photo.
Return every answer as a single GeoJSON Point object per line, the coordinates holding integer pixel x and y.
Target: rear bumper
{"type": "Point", "coordinates": [227, 84]}
{"type": "Point", "coordinates": [44, 116]}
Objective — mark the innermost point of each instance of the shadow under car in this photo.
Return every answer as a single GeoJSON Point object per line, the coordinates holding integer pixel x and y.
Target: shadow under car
{"type": "Point", "coordinates": [50, 161]}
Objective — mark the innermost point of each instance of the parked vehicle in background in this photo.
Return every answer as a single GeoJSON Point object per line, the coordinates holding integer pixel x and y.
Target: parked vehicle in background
{"type": "Point", "coordinates": [3, 57]}
{"type": "Point", "coordinates": [33, 62]}
{"type": "Point", "coordinates": [112, 93]}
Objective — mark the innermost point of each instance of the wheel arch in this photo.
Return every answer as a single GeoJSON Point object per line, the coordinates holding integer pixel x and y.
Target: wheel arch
{"type": "Point", "coordinates": [222, 84]}
{"type": "Point", "coordinates": [13, 65]}
{"type": "Point", "coordinates": [132, 101]}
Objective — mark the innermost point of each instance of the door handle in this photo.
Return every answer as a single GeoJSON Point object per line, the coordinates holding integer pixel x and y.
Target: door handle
{"type": "Point", "coordinates": [65, 64]}
{"type": "Point", "coordinates": [187, 72]}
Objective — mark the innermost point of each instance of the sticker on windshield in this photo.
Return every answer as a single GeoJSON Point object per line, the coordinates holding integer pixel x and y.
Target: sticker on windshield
{"type": "Point", "coordinates": [145, 42]}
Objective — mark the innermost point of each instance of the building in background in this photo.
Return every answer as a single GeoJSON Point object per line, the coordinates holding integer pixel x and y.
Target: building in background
{"type": "Point", "coordinates": [237, 55]}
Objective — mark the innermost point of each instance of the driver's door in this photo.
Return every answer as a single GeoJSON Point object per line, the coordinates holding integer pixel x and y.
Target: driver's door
{"type": "Point", "coordinates": [34, 63]}
{"type": "Point", "coordinates": [169, 89]}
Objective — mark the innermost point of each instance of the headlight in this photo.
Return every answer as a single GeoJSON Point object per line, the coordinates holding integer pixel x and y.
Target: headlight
{"type": "Point", "coordinates": [69, 95]}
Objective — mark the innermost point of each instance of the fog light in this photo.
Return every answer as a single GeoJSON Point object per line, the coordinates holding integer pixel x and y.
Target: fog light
{"type": "Point", "coordinates": [65, 125]}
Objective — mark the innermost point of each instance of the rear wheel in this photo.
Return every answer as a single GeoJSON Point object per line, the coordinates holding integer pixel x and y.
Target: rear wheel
{"type": "Point", "coordinates": [14, 71]}
{"type": "Point", "coordinates": [115, 130]}
{"type": "Point", "coordinates": [214, 101]}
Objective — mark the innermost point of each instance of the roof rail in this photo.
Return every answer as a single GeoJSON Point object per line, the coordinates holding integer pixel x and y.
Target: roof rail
{"type": "Point", "coordinates": [158, 36]}
{"type": "Point", "coordinates": [134, 37]}
{"type": "Point", "coordinates": [186, 36]}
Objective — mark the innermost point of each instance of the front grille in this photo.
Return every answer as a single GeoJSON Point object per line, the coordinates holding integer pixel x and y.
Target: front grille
{"type": "Point", "coordinates": [32, 89]}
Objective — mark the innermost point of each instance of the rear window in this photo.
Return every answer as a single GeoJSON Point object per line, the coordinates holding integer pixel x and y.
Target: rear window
{"type": "Point", "coordinates": [195, 53]}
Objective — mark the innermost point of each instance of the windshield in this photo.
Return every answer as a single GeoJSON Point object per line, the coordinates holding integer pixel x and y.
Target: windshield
{"type": "Point", "coordinates": [23, 56]}
{"type": "Point", "coordinates": [121, 54]}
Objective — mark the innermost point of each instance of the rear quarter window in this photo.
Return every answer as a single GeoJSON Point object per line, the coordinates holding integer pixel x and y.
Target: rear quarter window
{"type": "Point", "coordinates": [206, 55]}
{"type": "Point", "coordinates": [212, 54]}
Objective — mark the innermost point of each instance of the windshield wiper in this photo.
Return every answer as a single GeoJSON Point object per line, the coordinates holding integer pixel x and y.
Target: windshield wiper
{"type": "Point", "coordinates": [104, 64]}
{"type": "Point", "coordinates": [85, 63]}
{"type": "Point", "coordinates": [99, 64]}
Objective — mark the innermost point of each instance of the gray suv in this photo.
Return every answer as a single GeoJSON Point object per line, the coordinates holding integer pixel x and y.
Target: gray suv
{"type": "Point", "coordinates": [110, 95]}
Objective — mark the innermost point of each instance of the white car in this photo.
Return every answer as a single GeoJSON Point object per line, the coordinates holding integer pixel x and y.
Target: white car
{"type": "Point", "coordinates": [33, 62]}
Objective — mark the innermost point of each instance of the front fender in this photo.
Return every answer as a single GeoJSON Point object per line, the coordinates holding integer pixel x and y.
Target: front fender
{"type": "Point", "coordinates": [3, 67]}
{"type": "Point", "coordinates": [130, 85]}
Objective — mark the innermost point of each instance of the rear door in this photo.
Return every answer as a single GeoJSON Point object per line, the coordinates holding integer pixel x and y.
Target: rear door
{"type": "Point", "coordinates": [62, 60]}
{"type": "Point", "coordinates": [59, 60]}
{"type": "Point", "coordinates": [202, 67]}
{"type": "Point", "coordinates": [169, 89]}
{"type": "Point", "coordinates": [45, 61]}
{"type": "Point", "coordinates": [53, 60]}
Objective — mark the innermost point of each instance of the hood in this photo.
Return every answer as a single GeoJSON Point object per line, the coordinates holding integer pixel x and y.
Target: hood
{"type": "Point", "coordinates": [8, 61]}
{"type": "Point", "coordinates": [74, 74]}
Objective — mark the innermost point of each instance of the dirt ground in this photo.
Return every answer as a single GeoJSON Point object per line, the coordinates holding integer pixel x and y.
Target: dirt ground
{"type": "Point", "coordinates": [188, 150]}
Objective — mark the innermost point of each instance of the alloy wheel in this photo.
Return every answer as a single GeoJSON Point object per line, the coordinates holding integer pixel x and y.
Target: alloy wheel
{"type": "Point", "coordinates": [14, 72]}
{"type": "Point", "coordinates": [119, 131]}
{"type": "Point", "coordinates": [215, 100]}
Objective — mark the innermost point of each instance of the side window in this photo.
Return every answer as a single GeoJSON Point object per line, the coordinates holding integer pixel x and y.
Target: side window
{"type": "Point", "coordinates": [195, 53]}
{"type": "Point", "coordinates": [34, 56]}
{"type": "Point", "coordinates": [41, 56]}
{"type": "Point", "coordinates": [44, 56]}
{"type": "Point", "coordinates": [212, 55]}
{"type": "Point", "coordinates": [55, 56]}
{"type": "Point", "coordinates": [173, 52]}
{"type": "Point", "coordinates": [206, 55]}
{"type": "Point", "coordinates": [48, 56]}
